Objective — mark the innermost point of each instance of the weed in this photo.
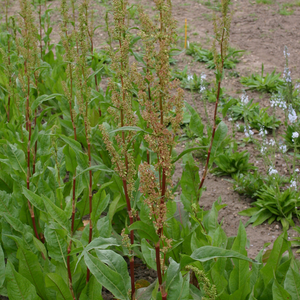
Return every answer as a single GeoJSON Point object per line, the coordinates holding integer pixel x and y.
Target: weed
{"type": "Point", "coordinates": [269, 83]}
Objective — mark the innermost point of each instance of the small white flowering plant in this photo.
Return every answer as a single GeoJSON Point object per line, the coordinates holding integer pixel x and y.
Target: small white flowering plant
{"type": "Point", "coordinates": [292, 136]}
{"type": "Point", "coordinates": [191, 82]}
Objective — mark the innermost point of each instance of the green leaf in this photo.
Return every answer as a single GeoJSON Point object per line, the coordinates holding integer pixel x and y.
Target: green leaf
{"type": "Point", "coordinates": [55, 281]}
{"type": "Point", "coordinates": [240, 274]}
{"type": "Point", "coordinates": [16, 158]}
{"type": "Point", "coordinates": [102, 168]}
{"type": "Point", "coordinates": [76, 146]}
{"type": "Point", "coordinates": [148, 254]}
{"type": "Point", "coordinates": [187, 151]}
{"type": "Point", "coordinates": [92, 290]}
{"type": "Point", "coordinates": [279, 293]}
{"type": "Point", "coordinates": [70, 156]}
{"type": "Point", "coordinates": [34, 199]}
{"type": "Point", "coordinates": [56, 243]}
{"type": "Point", "coordinates": [39, 100]}
{"type": "Point", "coordinates": [292, 284]}
{"type": "Point", "coordinates": [29, 267]}
{"type": "Point", "coordinates": [206, 253]}
{"type": "Point", "coordinates": [147, 231]}
{"type": "Point", "coordinates": [18, 287]}
{"type": "Point", "coordinates": [279, 247]}
{"type": "Point", "coordinates": [196, 124]}
{"type": "Point", "coordinates": [117, 263]}
{"type": "Point", "coordinates": [56, 213]}
{"type": "Point", "coordinates": [179, 289]}
{"type": "Point", "coordinates": [2, 267]}
{"type": "Point", "coordinates": [172, 273]}
{"type": "Point", "coordinates": [220, 135]}
{"type": "Point", "coordinates": [106, 276]}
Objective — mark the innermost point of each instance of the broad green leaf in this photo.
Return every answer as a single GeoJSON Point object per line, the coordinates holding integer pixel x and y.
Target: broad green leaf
{"type": "Point", "coordinates": [102, 168]}
{"type": "Point", "coordinates": [54, 281]}
{"type": "Point", "coordinates": [71, 161]}
{"type": "Point", "coordinates": [196, 124]}
{"type": "Point", "coordinates": [30, 268]}
{"type": "Point", "coordinates": [117, 263]}
{"type": "Point", "coordinates": [279, 247]}
{"type": "Point", "coordinates": [187, 151]}
{"type": "Point", "coordinates": [179, 289]}
{"type": "Point", "coordinates": [240, 274]}
{"type": "Point", "coordinates": [92, 290]}
{"type": "Point", "coordinates": [279, 293]}
{"type": "Point", "coordinates": [107, 277]}
{"type": "Point", "coordinates": [128, 128]}
{"type": "Point", "coordinates": [18, 287]}
{"type": "Point", "coordinates": [56, 243]}
{"type": "Point", "coordinates": [16, 158]}
{"type": "Point", "coordinates": [148, 232]}
{"type": "Point", "coordinates": [39, 100]}
{"type": "Point", "coordinates": [116, 204]}
{"type": "Point", "coordinates": [172, 273]}
{"type": "Point", "coordinates": [56, 213]}
{"type": "Point", "coordinates": [76, 146]}
{"type": "Point", "coordinates": [220, 135]}
{"type": "Point", "coordinates": [209, 252]}
{"type": "Point", "coordinates": [148, 254]}
{"type": "Point", "coordinates": [146, 293]}
{"type": "Point", "coordinates": [292, 284]}
{"type": "Point", "coordinates": [34, 199]}
{"type": "Point", "coordinates": [98, 243]}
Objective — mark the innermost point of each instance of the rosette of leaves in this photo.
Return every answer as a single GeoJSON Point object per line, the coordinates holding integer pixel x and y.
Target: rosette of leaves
{"type": "Point", "coordinates": [240, 110]}
{"type": "Point", "coordinates": [270, 83]}
{"type": "Point", "coordinates": [207, 56]}
{"type": "Point", "coordinates": [248, 183]}
{"type": "Point", "coordinates": [190, 82]}
{"type": "Point", "coordinates": [263, 120]}
{"type": "Point", "coordinates": [232, 162]}
{"type": "Point", "coordinates": [272, 205]}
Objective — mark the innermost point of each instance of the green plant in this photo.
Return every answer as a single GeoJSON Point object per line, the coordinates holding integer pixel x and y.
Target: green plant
{"type": "Point", "coordinates": [207, 56]}
{"type": "Point", "coordinates": [247, 183]}
{"type": "Point", "coordinates": [269, 83]}
{"type": "Point", "coordinates": [232, 162]}
{"type": "Point", "coordinates": [193, 82]}
{"type": "Point", "coordinates": [273, 204]}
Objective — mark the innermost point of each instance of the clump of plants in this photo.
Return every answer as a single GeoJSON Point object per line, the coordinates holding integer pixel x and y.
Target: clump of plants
{"type": "Point", "coordinates": [87, 156]}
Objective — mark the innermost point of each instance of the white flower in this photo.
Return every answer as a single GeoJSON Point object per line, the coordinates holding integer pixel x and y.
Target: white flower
{"type": "Point", "coordinates": [244, 99]}
{"type": "Point", "coordinates": [272, 142]}
{"type": "Point", "coordinates": [190, 77]}
{"type": "Point", "coordinates": [293, 184]}
{"type": "Point", "coordinates": [278, 101]}
{"type": "Point", "coordinates": [272, 171]}
{"type": "Point", "coordinates": [292, 115]}
{"type": "Point", "coordinates": [287, 75]}
{"type": "Point", "coordinates": [294, 136]}
{"type": "Point", "coordinates": [263, 149]}
{"type": "Point", "coordinates": [202, 89]}
{"type": "Point", "coordinates": [283, 148]}
{"type": "Point", "coordinates": [203, 76]}
{"type": "Point", "coordinates": [230, 119]}
{"type": "Point", "coordinates": [297, 170]}
{"type": "Point", "coordinates": [248, 132]}
{"type": "Point", "coordinates": [263, 131]}
{"type": "Point", "coordinates": [297, 86]}
{"type": "Point", "coordinates": [285, 51]}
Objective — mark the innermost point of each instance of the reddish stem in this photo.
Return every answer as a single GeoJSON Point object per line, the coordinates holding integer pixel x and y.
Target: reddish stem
{"type": "Point", "coordinates": [215, 116]}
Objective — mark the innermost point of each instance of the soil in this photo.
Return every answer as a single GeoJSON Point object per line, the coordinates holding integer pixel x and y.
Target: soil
{"type": "Point", "coordinates": [262, 32]}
